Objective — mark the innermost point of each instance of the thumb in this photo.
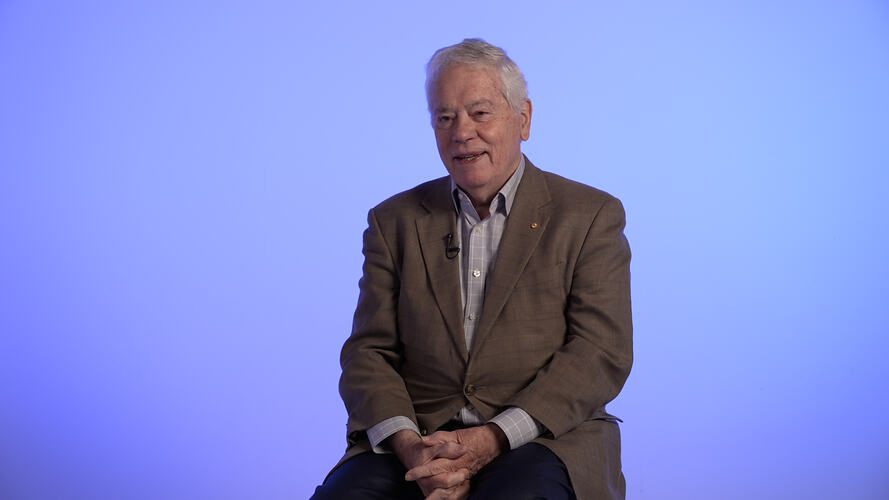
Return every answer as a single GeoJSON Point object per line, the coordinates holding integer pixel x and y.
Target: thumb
{"type": "Point", "coordinates": [449, 450]}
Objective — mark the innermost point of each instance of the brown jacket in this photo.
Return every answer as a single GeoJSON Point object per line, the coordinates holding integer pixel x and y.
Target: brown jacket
{"type": "Point", "coordinates": [554, 338]}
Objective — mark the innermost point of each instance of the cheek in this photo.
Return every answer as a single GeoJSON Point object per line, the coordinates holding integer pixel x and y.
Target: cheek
{"type": "Point", "coordinates": [495, 135]}
{"type": "Point", "coordinates": [441, 138]}
{"type": "Point", "coordinates": [441, 144]}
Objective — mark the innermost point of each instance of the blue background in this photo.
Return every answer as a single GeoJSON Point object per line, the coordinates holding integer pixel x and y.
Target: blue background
{"type": "Point", "coordinates": [183, 187]}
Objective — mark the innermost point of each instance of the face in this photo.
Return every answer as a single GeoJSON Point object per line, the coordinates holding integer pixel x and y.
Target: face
{"type": "Point", "coordinates": [478, 133]}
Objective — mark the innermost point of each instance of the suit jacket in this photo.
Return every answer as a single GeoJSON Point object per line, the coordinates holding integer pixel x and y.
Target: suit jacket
{"type": "Point", "coordinates": [554, 337]}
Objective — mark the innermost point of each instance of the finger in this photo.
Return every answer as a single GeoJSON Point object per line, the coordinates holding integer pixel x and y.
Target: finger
{"type": "Point", "coordinates": [439, 437]}
{"type": "Point", "coordinates": [445, 480]}
{"type": "Point", "coordinates": [425, 487]}
{"type": "Point", "coordinates": [446, 450]}
{"type": "Point", "coordinates": [461, 492]}
{"type": "Point", "coordinates": [437, 466]}
{"type": "Point", "coordinates": [458, 492]}
{"type": "Point", "coordinates": [439, 494]}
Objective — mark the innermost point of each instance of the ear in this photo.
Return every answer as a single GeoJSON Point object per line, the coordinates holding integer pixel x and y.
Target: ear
{"type": "Point", "coordinates": [526, 119]}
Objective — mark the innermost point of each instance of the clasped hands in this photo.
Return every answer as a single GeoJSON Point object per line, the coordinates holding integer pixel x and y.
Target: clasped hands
{"type": "Point", "coordinates": [443, 463]}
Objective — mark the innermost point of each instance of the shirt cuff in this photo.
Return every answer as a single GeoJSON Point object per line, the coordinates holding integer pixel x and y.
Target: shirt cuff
{"type": "Point", "coordinates": [518, 426]}
{"type": "Point", "coordinates": [379, 432]}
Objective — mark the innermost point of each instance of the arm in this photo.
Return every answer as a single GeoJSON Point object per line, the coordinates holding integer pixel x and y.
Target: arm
{"type": "Point", "coordinates": [370, 385]}
{"type": "Point", "coordinates": [378, 434]}
{"type": "Point", "coordinates": [517, 426]}
{"type": "Point", "coordinates": [592, 365]}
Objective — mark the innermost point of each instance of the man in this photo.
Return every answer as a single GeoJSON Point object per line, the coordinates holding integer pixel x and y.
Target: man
{"type": "Point", "coordinates": [493, 321]}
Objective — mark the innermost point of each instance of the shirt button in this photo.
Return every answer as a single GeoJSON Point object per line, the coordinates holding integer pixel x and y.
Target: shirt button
{"type": "Point", "coordinates": [476, 273]}
{"type": "Point", "coordinates": [472, 316]}
{"type": "Point", "coordinates": [423, 431]}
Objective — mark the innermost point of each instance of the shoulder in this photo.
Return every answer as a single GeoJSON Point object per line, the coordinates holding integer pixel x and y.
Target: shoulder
{"type": "Point", "coordinates": [561, 185]}
{"type": "Point", "coordinates": [414, 201]}
{"type": "Point", "coordinates": [569, 196]}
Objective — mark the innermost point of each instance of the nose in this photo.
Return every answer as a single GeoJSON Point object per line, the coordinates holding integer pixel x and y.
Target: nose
{"type": "Point", "coordinates": [464, 128]}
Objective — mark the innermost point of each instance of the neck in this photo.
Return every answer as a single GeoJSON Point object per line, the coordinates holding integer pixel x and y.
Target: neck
{"type": "Point", "coordinates": [483, 211]}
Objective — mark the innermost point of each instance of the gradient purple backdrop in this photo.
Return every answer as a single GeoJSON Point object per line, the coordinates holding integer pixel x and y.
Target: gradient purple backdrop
{"type": "Point", "coordinates": [183, 187]}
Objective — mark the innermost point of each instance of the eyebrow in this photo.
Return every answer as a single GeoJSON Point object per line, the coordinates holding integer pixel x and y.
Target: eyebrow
{"type": "Point", "coordinates": [471, 105]}
{"type": "Point", "coordinates": [480, 102]}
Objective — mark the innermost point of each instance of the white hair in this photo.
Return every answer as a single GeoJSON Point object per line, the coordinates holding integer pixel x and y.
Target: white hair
{"type": "Point", "coordinates": [477, 52]}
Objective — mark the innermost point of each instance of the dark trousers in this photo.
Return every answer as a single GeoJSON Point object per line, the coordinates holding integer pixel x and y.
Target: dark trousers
{"type": "Point", "coordinates": [528, 472]}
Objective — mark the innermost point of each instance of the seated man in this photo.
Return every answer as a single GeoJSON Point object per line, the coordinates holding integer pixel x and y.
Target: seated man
{"type": "Point", "coordinates": [493, 321]}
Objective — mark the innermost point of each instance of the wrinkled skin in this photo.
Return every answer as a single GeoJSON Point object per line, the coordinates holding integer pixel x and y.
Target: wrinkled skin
{"type": "Point", "coordinates": [442, 464]}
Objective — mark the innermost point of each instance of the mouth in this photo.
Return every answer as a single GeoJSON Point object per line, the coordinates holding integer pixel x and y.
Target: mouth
{"type": "Point", "coordinates": [468, 158]}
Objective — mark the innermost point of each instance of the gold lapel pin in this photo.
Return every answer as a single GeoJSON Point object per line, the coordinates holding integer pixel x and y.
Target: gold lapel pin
{"type": "Point", "coordinates": [533, 225]}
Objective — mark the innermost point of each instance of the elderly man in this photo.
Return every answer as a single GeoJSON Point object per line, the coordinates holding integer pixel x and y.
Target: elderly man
{"type": "Point", "coordinates": [493, 321]}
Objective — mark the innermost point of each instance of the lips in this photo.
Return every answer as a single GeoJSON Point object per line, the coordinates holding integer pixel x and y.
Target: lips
{"type": "Point", "coordinates": [468, 157]}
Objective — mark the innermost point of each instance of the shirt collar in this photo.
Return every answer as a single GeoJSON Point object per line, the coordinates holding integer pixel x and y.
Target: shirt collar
{"type": "Point", "coordinates": [507, 192]}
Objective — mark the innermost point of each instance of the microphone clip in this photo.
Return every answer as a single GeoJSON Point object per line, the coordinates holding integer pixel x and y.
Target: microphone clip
{"type": "Point", "coordinates": [451, 251]}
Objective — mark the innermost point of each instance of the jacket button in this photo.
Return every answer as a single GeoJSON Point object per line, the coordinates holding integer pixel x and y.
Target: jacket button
{"type": "Point", "coordinates": [469, 390]}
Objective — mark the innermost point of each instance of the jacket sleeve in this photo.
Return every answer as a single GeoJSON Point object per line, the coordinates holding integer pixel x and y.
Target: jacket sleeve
{"type": "Point", "coordinates": [370, 385]}
{"type": "Point", "coordinates": [592, 365]}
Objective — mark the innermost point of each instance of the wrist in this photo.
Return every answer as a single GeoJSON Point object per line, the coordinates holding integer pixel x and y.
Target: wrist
{"type": "Point", "coordinates": [402, 443]}
{"type": "Point", "coordinates": [501, 442]}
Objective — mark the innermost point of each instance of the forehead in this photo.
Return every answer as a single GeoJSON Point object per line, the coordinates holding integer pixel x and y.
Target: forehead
{"type": "Point", "coordinates": [461, 84]}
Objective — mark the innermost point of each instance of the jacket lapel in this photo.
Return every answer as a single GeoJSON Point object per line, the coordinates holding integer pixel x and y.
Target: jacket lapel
{"type": "Point", "coordinates": [443, 273]}
{"type": "Point", "coordinates": [526, 222]}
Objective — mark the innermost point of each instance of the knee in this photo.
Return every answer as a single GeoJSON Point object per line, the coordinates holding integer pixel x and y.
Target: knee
{"type": "Point", "coordinates": [530, 472]}
{"type": "Point", "coordinates": [335, 489]}
{"type": "Point", "coordinates": [367, 476]}
{"type": "Point", "coordinates": [322, 493]}
{"type": "Point", "coordinates": [524, 490]}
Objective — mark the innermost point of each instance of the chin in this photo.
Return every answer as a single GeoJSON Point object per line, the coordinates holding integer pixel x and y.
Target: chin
{"type": "Point", "coordinates": [472, 182]}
